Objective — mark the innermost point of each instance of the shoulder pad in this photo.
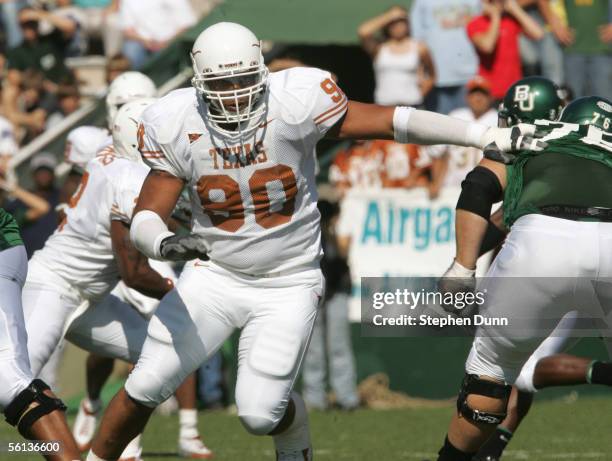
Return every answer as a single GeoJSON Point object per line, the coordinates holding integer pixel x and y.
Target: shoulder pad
{"type": "Point", "coordinates": [166, 115]}
{"type": "Point", "coordinates": [293, 89]}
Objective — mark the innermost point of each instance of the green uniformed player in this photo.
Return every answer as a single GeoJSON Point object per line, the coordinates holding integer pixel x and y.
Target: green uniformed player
{"type": "Point", "coordinates": [26, 403]}
{"type": "Point", "coordinates": [556, 232]}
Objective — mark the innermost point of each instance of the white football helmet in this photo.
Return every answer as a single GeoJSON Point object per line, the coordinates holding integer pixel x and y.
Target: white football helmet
{"type": "Point", "coordinates": [129, 86]}
{"type": "Point", "coordinates": [125, 128]}
{"type": "Point", "coordinates": [230, 73]}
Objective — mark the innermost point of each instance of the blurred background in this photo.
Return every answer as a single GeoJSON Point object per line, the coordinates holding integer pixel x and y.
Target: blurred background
{"type": "Point", "coordinates": [387, 209]}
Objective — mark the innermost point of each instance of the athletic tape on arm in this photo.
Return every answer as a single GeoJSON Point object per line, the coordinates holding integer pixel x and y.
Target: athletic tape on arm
{"type": "Point", "coordinates": [147, 231]}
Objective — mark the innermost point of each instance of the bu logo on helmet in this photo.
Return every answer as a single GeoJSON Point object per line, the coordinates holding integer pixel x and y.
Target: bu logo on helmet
{"type": "Point", "coordinates": [524, 97]}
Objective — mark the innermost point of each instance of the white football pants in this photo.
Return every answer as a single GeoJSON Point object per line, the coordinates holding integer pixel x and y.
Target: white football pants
{"type": "Point", "coordinates": [15, 374]}
{"type": "Point", "coordinates": [547, 268]}
{"type": "Point", "coordinates": [276, 315]}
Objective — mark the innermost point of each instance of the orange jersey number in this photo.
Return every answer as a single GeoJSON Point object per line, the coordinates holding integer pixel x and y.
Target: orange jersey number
{"type": "Point", "coordinates": [221, 200]}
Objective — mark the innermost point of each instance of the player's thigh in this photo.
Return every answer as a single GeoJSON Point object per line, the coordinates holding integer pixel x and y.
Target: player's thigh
{"type": "Point", "coordinates": [15, 374]}
{"type": "Point", "coordinates": [111, 328]}
{"type": "Point", "coordinates": [46, 309]}
{"type": "Point", "coordinates": [186, 329]}
{"type": "Point", "coordinates": [271, 350]}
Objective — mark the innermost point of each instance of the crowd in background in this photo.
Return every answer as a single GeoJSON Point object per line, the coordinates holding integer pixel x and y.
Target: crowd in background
{"type": "Point", "coordinates": [455, 57]}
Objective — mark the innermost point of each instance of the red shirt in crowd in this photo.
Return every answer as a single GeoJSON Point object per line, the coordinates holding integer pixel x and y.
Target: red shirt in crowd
{"type": "Point", "coordinates": [502, 67]}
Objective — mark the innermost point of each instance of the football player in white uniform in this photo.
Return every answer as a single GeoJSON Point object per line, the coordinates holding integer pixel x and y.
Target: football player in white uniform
{"type": "Point", "coordinates": [67, 288]}
{"type": "Point", "coordinates": [82, 145]}
{"type": "Point", "coordinates": [244, 143]}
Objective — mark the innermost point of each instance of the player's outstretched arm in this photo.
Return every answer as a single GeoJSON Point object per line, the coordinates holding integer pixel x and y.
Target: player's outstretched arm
{"type": "Point", "coordinates": [134, 267]}
{"type": "Point", "coordinates": [409, 125]}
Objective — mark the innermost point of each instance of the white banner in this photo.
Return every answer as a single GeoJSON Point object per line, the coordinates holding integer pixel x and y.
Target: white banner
{"type": "Point", "coordinates": [398, 233]}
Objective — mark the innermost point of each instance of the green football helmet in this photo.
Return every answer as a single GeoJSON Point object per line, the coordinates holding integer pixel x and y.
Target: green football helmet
{"type": "Point", "coordinates": [590, 110]}
{"type": "Point", "coordinates": [530, 99]}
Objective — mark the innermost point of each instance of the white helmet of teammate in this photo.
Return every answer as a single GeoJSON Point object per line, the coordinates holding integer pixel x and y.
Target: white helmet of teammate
{"type": "Point", "coordinates": [125, 128]}
{"type": "Point", "coordinates": [129, 86]}
{"type": "Point", "coordinates": [230, 73]}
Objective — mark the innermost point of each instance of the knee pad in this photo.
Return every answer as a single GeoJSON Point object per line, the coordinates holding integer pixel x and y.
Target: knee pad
{"type": "Point", "coordinates": [472, 384]}
{"type": "Point", "coordinates": [18, 412]}
{"type": "Point", "coordinates": [257, 425]}
{"type": "Point", "coordinates": [147, 389]}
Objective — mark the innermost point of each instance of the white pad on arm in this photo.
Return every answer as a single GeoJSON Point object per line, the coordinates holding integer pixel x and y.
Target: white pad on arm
{"type": "Point", "coordinates": [147, 231]}
{"type": "Point", "coordinates": [415, 126]}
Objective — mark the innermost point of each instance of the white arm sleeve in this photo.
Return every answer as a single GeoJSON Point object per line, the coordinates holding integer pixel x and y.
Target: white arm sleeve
{"type": "Point", "coordinates": [147, 231]}
{"type": "Point", "coordinates": [426, 128]}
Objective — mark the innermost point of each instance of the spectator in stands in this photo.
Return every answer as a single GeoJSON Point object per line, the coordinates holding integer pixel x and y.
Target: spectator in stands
{"type": "Point", "coordinates": [403, 68]}
{"type": "Point", "coordinates": [330, 343]}
{"type": "Point", "coordinates": [450, 164]}
{"type": "Point", "coordinates": [10, 23]}
{"type": "Point", "coordinates": [541, 57]}
{"type": "Point", "coordinates": [35, 233]}
{"type": "Point", "coordinates": [37, 53]}
{"type": "Point", "coordinates": [148, 27]}
{"type": "Point", "coordinates": [378, 164]}
{"type": "Point", "coordinates": [8, 144]}
{"type": "Point", "coordinates": [68, 101]}
{"type": "Point", "coordinates": [441, 25]}
{"type": "Point", "coordinates": [587, 34]}
{"type": "Point", "coordinates": [32, 105]}
{"type": "Point", "coordinates": [115, 66]}
{"type": "Point", "coordinates": [26, 207]}
{"type": "Point", "coordinates": [495, 35]}
{"type": "Point", "coordinates": [101, 20]}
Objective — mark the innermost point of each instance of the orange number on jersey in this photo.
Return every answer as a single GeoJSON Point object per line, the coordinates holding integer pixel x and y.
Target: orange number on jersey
{"type": "Point", "coordinates": [79, 192]}
{"type": "Point", "coordinates": [330, 87]}
{"type": "Point", "coordinates": [74, 200]}
{"type": "Point", "coordinates": [228, 214]}
{"type": "Point", "coordinates": [261, 199]}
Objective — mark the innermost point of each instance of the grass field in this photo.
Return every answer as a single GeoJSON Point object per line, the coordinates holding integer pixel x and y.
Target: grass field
{"type": "Point", "coordinates": [555, 430]}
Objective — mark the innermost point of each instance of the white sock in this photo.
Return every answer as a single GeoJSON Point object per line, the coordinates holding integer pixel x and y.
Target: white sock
{"type": "Point", "coordinates": [91, 456]}
{"type": "Point", "coordinates": [188, 421]}
{"type": "Point", "coordinates": [297, 436]}
{"type": "Point", "coordinates": [92, 406]}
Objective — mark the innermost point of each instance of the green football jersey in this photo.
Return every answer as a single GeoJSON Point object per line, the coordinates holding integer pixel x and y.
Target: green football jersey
{"type": "Point", "coordinates": [574, 170]}
{"type": "Point", "coordinates": [9, 231]}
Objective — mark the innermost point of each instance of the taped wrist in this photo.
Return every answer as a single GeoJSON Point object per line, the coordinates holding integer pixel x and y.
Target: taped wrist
{"type": "Point", "coordinates": [147, 232]}
{"type": "Point", "coordinates": [479, 191]}
{"type": "Point", "coordinates": [492, 238]}
{"type": "Point", "coordinates": [411, 125]}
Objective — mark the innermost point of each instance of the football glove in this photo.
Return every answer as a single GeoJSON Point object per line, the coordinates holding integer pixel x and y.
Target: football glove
{"type": "Point", "coordinates": [183, 248]}
{"type": "Point", "coordinates": [501, 142]}
{"type": "Point", "coordinates": [458, 279]}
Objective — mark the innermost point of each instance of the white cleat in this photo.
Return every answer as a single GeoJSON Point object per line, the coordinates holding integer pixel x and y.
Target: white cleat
{"type": "Point", "coordinates": [194, 448]}
{"type": "Point", "coordinates": [85, 426]}
{"type": "Point", "coordinates": [294, 455]}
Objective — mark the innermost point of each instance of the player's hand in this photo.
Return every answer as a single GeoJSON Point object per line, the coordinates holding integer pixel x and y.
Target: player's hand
{"type": "Point", "coordinates": [456, 280]}
{"type": "Point", "coordinates": [517, 138]}
{"type": "Point", "coordinates": [183, 248]}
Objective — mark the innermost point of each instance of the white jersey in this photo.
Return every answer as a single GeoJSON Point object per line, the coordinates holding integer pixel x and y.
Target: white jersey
{"type": "Point", "coordinates": [80, 251]}
{"type": "Point", "coordinates": [83, 143]}
{"type": "Point", "coordinates": [462, 160]}
{"type": "Point", "coordinates": [254, 200]}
